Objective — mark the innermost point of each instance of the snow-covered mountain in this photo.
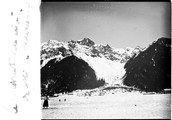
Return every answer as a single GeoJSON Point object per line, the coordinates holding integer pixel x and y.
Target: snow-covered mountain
{"type": "Point", "coordinates": [107, 62]}
{"type": "Point", "coordinates": [59, 50]}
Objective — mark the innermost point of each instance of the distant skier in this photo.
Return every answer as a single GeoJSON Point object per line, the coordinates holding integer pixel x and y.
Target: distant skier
{"type": "Point", "coordinates": [45, 104]}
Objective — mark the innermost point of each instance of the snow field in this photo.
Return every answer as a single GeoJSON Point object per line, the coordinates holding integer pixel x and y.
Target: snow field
{"type": "Point", "coordinates": [119, 105]}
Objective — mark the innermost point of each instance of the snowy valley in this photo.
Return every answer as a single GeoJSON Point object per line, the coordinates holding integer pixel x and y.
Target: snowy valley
{"type": "Point", "coordinates": [106, 62]}
{"type": "Point", "coordinates": [103, 82]}
{"type": "Point", "coordinates": [83, 64]}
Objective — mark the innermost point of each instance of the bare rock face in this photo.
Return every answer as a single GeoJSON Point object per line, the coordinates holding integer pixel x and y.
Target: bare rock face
{"type": "Point", "coordinates": [151, 69]}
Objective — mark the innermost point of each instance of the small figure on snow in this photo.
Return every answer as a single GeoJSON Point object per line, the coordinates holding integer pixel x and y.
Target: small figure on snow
{"type": "Point", "coordinates": [45, 104]}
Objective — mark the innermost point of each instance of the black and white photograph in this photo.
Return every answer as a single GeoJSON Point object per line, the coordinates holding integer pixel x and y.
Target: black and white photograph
{"type": "Point", "coordinates": [105, 60]}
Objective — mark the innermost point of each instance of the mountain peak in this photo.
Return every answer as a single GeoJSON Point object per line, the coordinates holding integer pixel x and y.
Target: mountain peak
{"type": "Point", "coordinates": [86, 41]}
{"type": "Point", "coordinates": [85, 46]}
{"type": "Point", "coordinates": [54, 42]}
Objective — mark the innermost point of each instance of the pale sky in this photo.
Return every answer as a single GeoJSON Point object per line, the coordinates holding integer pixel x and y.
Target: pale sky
{"type": "Point", "coordinates": [119, 24]}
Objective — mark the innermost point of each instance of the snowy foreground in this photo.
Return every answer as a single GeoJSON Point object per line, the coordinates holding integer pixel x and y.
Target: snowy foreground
{"type": "Point", "coordinates": [111, 105]}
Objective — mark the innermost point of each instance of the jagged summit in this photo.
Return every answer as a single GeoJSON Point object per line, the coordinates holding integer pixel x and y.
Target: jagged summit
{"type": "Point", "coordinates": [86, 41]}
{"type": "Point", "coordinates": [85, 46]}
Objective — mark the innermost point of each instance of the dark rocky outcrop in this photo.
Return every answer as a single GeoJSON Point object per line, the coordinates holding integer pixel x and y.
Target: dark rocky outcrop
{"type": "Point", "coordinates": [151, 69]}
{"type": "Point", "coordinates": [71, 73]}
